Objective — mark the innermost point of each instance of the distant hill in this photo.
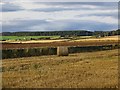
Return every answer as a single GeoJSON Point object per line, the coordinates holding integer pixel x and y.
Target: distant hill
{"type": "Point", "coordinates": [49, 33]}
{"type": "Point", "coordinates": [64, 33]}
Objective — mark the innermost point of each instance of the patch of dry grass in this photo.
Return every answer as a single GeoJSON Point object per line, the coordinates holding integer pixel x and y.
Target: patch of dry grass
{"type": "Point", "coordinates": [36, 41]}
{"type": "Point", "coordinates": [108, 38]}
{"type": "Point", "coordinates": [83, 70]}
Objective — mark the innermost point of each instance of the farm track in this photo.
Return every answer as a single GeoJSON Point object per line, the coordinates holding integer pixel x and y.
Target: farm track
{"type": "Point", "coordinates": [55, 44]}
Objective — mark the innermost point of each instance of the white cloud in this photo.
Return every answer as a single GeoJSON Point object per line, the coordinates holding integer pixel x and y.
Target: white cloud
{"type": "Point", "coordinates": [90, 6]}
{"type": "Point", "coordinates": [72, 13]}
{"type": "Point", "coordinates": [30, 5]}
{"type": "Point", "coordinates": [2, 3]}
{"type": "Point", "coordinates": [102, 19]}
{"type": "Point", "coordinates": [63, 0]}
{"type": "Point", "coordinates": [62, 15]}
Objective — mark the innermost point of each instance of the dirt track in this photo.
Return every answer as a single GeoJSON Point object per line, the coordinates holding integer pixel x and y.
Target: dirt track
{"type": "Point", "coordinates": [54, 44]}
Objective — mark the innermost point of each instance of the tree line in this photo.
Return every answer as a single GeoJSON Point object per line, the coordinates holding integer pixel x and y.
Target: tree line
{"type": "Point", "coordinates": [64, 33]}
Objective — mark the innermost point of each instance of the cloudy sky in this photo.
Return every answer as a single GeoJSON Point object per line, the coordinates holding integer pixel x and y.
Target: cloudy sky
{"type": "Point", "coordinates": [56, 16]}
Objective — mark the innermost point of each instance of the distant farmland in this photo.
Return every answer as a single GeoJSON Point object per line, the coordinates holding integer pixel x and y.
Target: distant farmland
{"type": "Point", "coordinates": [75, 41]}
{"type": "Point", "coordinates": [55, 44]}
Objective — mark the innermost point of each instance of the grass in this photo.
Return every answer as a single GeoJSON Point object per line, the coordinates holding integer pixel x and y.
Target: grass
{"type": "Point", "coordinates": [83, 70]}
{"type": "Point", "coordinates": [82, 37]}
{"type": "Point", "coordinates": [26, 37]}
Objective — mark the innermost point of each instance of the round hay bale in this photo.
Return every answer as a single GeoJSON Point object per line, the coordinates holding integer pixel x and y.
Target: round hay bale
{"type": "Point", "coordinates": [52, 51]}
{"type": "Point", "coordinates": [31, 52]}
{"type": "Point", "coordinates": [45, 51]}
{"type": "Point", "coordinates": [38, 51]}
{"type": "Point", "coordinates": [4, 54]}
{"type": "Point", "coordinates": [62, 51]}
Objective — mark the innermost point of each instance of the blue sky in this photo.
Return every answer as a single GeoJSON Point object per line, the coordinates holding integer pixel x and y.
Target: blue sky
{"type": "Point", "coordinates": [56, 16]}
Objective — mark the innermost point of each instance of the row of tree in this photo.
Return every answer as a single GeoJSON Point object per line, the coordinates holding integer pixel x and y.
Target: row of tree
{"type": "Point", "coordinates": [64, 33]}
{"type": "Point", "coordinates": [106, 33]}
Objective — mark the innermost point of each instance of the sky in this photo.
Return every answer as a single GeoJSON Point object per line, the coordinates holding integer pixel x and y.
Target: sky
{"type": "Point", "coordinates": [58, 16]}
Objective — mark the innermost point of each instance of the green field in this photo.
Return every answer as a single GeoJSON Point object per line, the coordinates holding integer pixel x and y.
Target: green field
{"type": "Point", "coordinates": [27, 37]}
{"type": "Point", "coordinates": [40, 37]}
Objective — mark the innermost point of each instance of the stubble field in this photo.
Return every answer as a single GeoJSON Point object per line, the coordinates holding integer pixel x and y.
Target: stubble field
{"type": "Point", "coordinates": [80, 70]}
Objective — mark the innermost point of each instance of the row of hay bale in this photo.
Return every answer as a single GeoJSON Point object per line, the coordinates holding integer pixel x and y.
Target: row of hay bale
{"type": "Point", "coordinates": [60, 51]}
{"type": "Point", "coordinates": [16, 53]}
{"type": "Point", "coordinates": [91, 48]}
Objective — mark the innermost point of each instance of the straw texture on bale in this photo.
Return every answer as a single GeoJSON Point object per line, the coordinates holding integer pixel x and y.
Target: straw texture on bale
{"type": "Point", "coordinates": [62, 51]}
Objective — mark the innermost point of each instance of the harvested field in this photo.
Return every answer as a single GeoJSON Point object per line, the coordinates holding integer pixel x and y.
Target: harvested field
{"type": "Point", "coordinates": [55, 44]}
{"type": "Point", "coordinates": [81, 70]}
{"type": "Point", "coordinates": [108, 38]}
{"type": "Point", "coordinates": [36, 41]}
